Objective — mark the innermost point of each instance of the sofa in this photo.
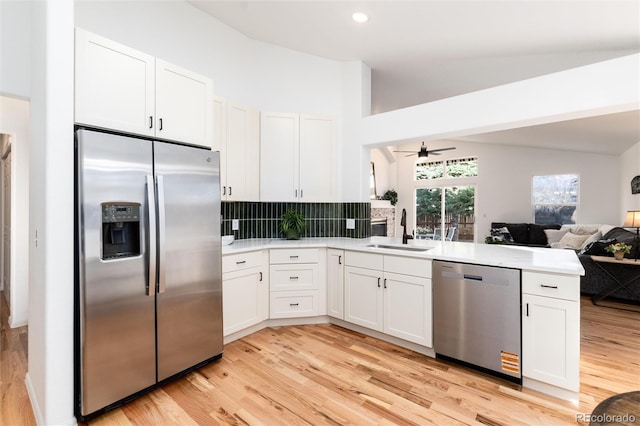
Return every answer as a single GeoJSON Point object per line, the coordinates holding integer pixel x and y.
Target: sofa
{"type": "Point", "coordinates": [587, 241]}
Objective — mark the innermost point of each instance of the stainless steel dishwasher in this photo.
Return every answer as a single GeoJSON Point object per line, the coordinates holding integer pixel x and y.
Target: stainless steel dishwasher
{"type": "Point", "coordinates": [477, 317]}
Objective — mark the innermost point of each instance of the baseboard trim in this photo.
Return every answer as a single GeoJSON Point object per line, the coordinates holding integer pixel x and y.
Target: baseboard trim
{"type": "Point", "coordinates": [16, 323]}
{"type": "Point", "coordinates": [33, 400]}
{"type": "Point", "coordinates": [35, 407]}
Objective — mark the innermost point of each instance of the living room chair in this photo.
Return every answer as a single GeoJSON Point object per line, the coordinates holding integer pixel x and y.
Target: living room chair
{"type": "Point", "coordinates": [450, 234]}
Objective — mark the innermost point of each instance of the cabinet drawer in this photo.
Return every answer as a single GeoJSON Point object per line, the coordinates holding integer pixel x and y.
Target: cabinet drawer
{"type": "Point", "coordinates": [294, 277]}
{"type": "Point", "coordinates": [551, 285]}
{"type": "Point", "coordinates": [364, 260]}
{"type": "Point", "coordinates": [408, 266]}
{"type": "Point", "coordinates": [292, 304]}
{"type": "Point", "coordinates": [240, 261]}
{"type": "Point", "coordinates": [293, 256]}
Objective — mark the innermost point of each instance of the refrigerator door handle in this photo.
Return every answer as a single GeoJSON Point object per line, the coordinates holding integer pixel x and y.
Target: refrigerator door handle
{"type": "Point", "coordinates": [151, 201]}
{"type": "Point", "coordinates": [161, 236]}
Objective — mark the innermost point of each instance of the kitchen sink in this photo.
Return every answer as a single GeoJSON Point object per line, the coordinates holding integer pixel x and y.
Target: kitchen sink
{"type": "Point", "coordinates": [401, 248]}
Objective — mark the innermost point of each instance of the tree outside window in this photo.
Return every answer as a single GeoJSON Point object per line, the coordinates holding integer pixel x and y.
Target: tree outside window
{"type": "Point", "coordinates": [443, 210]}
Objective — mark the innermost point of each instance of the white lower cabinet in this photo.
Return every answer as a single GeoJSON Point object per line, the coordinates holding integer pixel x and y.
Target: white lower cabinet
{"type": "Point", "coordinates": [551, 329]}
{"type": "Point", "coordinates": [245, 290]}
{"type": "Point", "coordinates": [378, 297]}
{"type": "Point", "coordinates": [407, 308]}
{"type": "Point", "coordinates": [335, 283]}
{"type": "Point", "coordinates": [363, 297]}
{"type": "Point", "coordinates": [297, 283]}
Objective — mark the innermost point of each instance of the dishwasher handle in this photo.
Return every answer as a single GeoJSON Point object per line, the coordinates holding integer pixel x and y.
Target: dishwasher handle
{"type": "Point", "coordinates": [461, 276]}
{"type": "Point", "coordinates": [473, 277]}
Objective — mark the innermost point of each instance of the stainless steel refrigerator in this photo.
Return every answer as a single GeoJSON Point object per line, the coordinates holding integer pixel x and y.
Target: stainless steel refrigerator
{"type": "Point", "coordinates": [148, 266]}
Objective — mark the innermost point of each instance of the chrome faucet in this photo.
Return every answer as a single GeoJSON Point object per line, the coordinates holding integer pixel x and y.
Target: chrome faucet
{"type": "Point", "coordinates": [403, 222]}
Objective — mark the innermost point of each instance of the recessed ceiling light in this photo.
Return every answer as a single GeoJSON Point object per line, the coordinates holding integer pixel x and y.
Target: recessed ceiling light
{"type": "Point", "coordinates": [360, 17]}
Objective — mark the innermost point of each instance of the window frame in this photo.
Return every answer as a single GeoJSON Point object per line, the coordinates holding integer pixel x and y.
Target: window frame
{"type": "Point", "coordinates": [576, 213]}
{"type": "Point", "coordinates": [445, 183]}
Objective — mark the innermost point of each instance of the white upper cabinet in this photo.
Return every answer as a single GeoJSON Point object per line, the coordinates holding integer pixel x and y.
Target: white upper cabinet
{"type": "Point", "coordinates": [184, 109]}
{"type": "Point", "coordinates": [297, 157]}
{"type": "Point", "coordinates": [120, 88]}
{"type": "Point", "coordinates": [279, 145]}
{"type": "Point", "coordinates": [237, 137]}
{"type": "Point", "coordinates": [114, 85]}
{"type": "Point", "coordinates": [242, 154]}
{"type": "Point", "coordinates": [317, 158]}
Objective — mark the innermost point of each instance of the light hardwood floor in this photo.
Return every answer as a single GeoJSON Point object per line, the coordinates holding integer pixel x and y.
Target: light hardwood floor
{"type": "Point", "coordinates": [324, 374]}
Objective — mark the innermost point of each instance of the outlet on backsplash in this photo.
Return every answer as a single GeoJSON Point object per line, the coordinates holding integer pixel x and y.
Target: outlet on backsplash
{"type": "Point", "coordinates": [235, 225]}
{"type": "Point", "coordinates": [351, 224]}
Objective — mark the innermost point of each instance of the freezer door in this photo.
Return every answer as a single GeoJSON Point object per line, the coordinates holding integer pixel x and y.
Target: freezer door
{"type": "Point", "coordinates": [116, 319]}
{"type": "Point", "coordinates": [189, 299]}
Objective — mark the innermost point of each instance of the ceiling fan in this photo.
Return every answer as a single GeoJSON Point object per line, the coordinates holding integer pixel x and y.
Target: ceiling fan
{"type": "Point", "coordinates": [424, 152]}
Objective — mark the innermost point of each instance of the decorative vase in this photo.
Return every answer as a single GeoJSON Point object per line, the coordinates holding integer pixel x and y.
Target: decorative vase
{"type": "Point", "coordinates": [619, 255]}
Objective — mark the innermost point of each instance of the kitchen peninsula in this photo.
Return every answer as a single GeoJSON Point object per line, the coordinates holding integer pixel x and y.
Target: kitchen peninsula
{"type": "Point", "coordinates": [379, 287]}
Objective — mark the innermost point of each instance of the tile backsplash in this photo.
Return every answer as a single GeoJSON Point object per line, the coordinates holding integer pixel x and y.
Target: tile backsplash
{"type": "Point", "coordinates": [262, 219]}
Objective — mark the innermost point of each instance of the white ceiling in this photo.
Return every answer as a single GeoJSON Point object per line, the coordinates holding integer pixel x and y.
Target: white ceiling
{"type": "Point", "coordinates": [420, 51]}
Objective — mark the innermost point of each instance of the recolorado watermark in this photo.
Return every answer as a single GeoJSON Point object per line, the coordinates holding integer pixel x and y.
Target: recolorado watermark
{"type": "Point", "coordinates": [606, 418]}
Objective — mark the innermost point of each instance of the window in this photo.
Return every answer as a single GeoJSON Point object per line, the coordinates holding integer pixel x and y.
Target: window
{"type": "Point", "coordinates": [555, 199]}
{"type": "Point", "coordinates": [445, 199]}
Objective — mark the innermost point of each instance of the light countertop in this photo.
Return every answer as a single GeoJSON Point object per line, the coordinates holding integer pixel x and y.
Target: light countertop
{"type": "Point", "coordinates": [560, 261]}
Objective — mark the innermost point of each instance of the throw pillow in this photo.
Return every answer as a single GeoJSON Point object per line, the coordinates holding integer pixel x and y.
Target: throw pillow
{"type": "Point", "coordinates": [537, 235]}
{"type": "Point", "coordinates": [583, 229]}
{"type": "Point", "coordinates": [554, 235]}
{"type": "Point", "coordinates": [502, 234]}
{"type": "Point", "coordinates": [572, 241]}
{"type": "Point", "coordinates": [519, 232]}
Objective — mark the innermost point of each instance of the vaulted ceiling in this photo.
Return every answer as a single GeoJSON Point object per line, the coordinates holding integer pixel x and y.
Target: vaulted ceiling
{"type": "Point", "coordinates": [421, 51]}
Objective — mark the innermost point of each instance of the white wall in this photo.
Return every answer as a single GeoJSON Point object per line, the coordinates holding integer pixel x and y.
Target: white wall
{"type": "Point", "coordinates": [14, 120]}
{"type": "Point", "coordinates": [354, 159]}
{"type": "Point", "coordinates": [15, 48]}
{"type": "Point", "coordinates": [264, 76]}
{"type": "Point", "coordinates": [503, 192]}
{"type": "Point", "coordinates": [50, 373]}
{"type": "Point", "coordinates": [629, 168]}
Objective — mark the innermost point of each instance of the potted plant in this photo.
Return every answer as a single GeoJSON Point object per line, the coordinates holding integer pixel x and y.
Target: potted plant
{"type": "Point", "coordinates": [618, 250]}
{"type": "Point", "coordinates": [391, 195]}
{"type": "Point", "coordinates": [292, 224]}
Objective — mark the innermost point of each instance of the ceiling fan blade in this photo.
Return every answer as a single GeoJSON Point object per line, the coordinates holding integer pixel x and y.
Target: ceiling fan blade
{"type": "Point", "coordinates": [440, 149]}
{"type": "Point", "coordinates": [410, 155]}
{"type": "Point", "coordinates": [403, 151]}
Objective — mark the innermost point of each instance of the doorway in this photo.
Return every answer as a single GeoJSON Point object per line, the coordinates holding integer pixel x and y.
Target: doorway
{"type": "Point", "coordinates": [5, 245]}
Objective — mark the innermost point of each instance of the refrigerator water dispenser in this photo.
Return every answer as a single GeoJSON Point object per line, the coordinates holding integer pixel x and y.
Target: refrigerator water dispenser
{"type": "Point", "coordinates": [120, 230]}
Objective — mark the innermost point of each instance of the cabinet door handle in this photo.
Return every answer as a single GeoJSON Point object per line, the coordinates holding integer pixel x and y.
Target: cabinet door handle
{"type": "Point", "coordinates": [296, 193]}
{"type": "Point", "coordinates": [293, 305]}
{"type": "Point", "coordinates": [293, 257]}
{"type": "Point", "coordinates": [378, 282]}
{"type": "Point", "coordinates": [224, 190]}
{"type": "Point", "coordinates": [161, 124]}
{"type": "Point", "coordinates": [385, 283]}
{"type": "Point", "coordinates": [151, 121]}
{"type": "Point", "coordinates": [339, 260]}
{"type": "Point", "coordinates": [548, 286]}
{"type": "Point", "coordinates": [527, 309]}
{"type": "Point", "coordinates": [301, 193]}
{"type": "Point", "coordinates": [240, 262]}
{"type": "Point", "coordinates": [260, 277]}
{"type": "Point", "coordinates": [293, 278]}
{"type": "Point", "coordinates": [229, 190]}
